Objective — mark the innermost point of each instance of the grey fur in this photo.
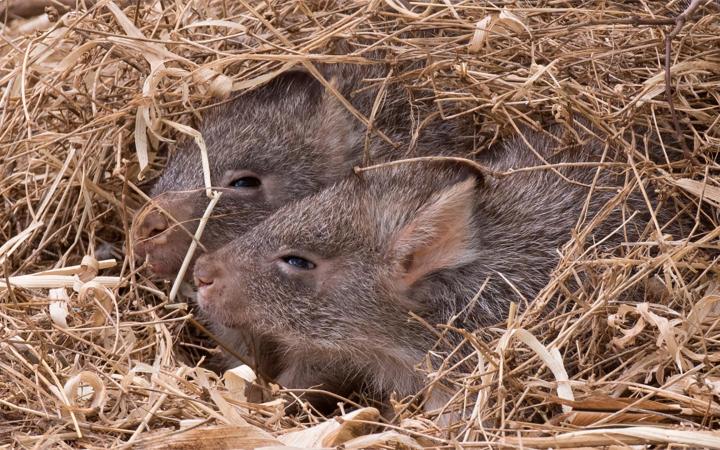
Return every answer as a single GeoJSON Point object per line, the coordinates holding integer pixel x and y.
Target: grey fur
{"type": "Point", "coordinates": [298, 138]}
{"type": "Point", "coordinates": [348, 318]}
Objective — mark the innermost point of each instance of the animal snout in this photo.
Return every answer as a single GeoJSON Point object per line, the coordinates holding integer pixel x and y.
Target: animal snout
{"type": "Point", "coordinates": [151, 225]}
{"type": "Point", "coordinates": [207, 272]}
{"type": "Point", "coordinates": [208, 276]}
{"type": "Point", "coordinates": [204, 277]}
{"type": "Point", "coordinates": [164, 213]}
{"type": "Point", "coordinates": [161, 232]}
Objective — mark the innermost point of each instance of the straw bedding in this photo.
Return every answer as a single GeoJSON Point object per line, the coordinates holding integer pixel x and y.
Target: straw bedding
{"type": "Point", "coordinates": [95, 354]}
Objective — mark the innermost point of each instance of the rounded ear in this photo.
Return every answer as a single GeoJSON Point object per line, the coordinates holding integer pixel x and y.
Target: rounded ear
{"type": "Point", "coordinates": [465, 168]}
{"type": "Point", "coordinates": [296, 79]}
{"type": "Point", "coordinates": [470, 169]}
{"type": "Point", "coordinates": [300, 77]}
{"type": "Point", "coordinates": [439, 236]}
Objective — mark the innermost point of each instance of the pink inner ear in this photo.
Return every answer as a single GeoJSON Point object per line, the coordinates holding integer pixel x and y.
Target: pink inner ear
{"type": "Point", "coordinates": [439, 236]}
{"type": "Point", "coordinates": [443, 250]}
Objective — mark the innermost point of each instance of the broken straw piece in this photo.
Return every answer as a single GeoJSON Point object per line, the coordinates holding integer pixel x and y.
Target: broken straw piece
{"type": "Point", "coordinates": [219, 85]}
{"type": "Point", "coordinates": [550, 356]}
{"type": "Point", "coordinates": [706, 306]}
{"type": "Point", "coordinates": [505, 19]}
{"type": "Point", "coordinates": [53, 281]}
{"type": "Point", "coordinates": [237, 380]}
{"type": "Point", "coordinates": [65, 277]}
{"type": "Point", "coordinates": [59, 307]}
{"type": "Point", "coordinates": [379, 440]}
{"type": "Point", "coordinates": [482, 28]}
{"type": "Point", "coordinates": [332, 433]}
{"type": "Point", "coordinates": [89, 268]}
{"type": "Point", "coordinates": [191, 423]}
{"type": "Point", "coordinates": [94, 293]}
{"type": "Point", "coordinates": [72, 270]}
{"type": "Point", "coordinates": [700, 189]}
{"type": "Point", "coordinates": [81, 385]}
{"type": "Point", "coordinates": [242, 372]}
{"type": "Point", "coordinates": [599, 437]}
{"type": "Point", "coordinates": [197, 137]}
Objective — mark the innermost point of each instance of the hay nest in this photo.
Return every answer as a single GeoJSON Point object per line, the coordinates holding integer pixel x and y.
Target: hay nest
{"type": "Point", "coordinates": [94, 354]}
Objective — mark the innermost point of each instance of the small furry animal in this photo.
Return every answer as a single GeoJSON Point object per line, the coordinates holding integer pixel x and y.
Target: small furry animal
{"type": "Point", "coordinates": [281, 142]}
{"type": "Point", "coordinates": [333, 277]}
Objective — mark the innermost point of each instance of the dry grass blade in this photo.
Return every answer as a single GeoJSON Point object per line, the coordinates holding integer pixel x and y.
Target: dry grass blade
{"type": "Point", "coordinates": [627, 436]}
{"type": "Point", "coordinates": [96, 354]}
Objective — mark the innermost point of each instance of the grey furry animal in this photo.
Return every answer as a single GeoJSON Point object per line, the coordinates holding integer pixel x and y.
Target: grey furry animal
{"type": "Point", "coordinates": [333, 277]}
{"type": "Point", "coordinates": [286, 140]}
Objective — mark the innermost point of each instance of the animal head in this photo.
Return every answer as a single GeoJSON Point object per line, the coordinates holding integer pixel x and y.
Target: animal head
{"type": "Point", "coordinates": [281, 142]}
{"type": "Point", "coordinates": [342, 269]}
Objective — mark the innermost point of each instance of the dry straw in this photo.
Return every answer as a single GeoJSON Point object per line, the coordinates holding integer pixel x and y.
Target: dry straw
{"type": "Point", "coordinates": [95, 355]}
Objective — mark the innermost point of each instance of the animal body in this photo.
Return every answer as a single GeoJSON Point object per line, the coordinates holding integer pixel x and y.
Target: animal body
{"type": "Point", "coordinates": [333, 278]}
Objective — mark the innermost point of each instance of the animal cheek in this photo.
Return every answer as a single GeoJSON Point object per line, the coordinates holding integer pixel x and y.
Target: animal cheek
{"type": "Point", "coordinates": [223, 304]}
{"type": "Point", "coordinates": [165, 257]}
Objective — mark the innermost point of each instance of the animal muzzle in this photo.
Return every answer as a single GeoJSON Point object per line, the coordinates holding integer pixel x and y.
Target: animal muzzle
{"type": "Point", "coordinates": [162, 232]}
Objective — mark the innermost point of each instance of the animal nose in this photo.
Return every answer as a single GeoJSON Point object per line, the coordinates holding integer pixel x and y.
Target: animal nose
{"type": "Point", "coordinates": [151, 225]}
{"type": "Point", "coordinates": [205, 274]}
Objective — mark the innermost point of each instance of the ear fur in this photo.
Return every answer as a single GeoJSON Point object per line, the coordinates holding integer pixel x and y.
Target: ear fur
{"type": "Point", "coordinates": [438, 236]}
{"type": "Point", "coordinates": [290, 83]}
{"type": "Point", "coordinates": [339, 134]}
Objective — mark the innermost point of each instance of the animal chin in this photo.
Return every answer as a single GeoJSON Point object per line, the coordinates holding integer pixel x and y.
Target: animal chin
{"type": "Point", "coordinates": [215, 307]}
{"type": "Point", "coordinates": [166, 264]}
{"type": "Point", "coordinates": [205, 298]}
{"type": "Point", "coordinates": [161, 269]}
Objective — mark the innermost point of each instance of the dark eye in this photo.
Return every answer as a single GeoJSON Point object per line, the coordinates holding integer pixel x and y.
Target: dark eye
{"type": "Point", "coordinates": [298, 262]}
{"type": "Point", "coordinates": [246, 182]}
